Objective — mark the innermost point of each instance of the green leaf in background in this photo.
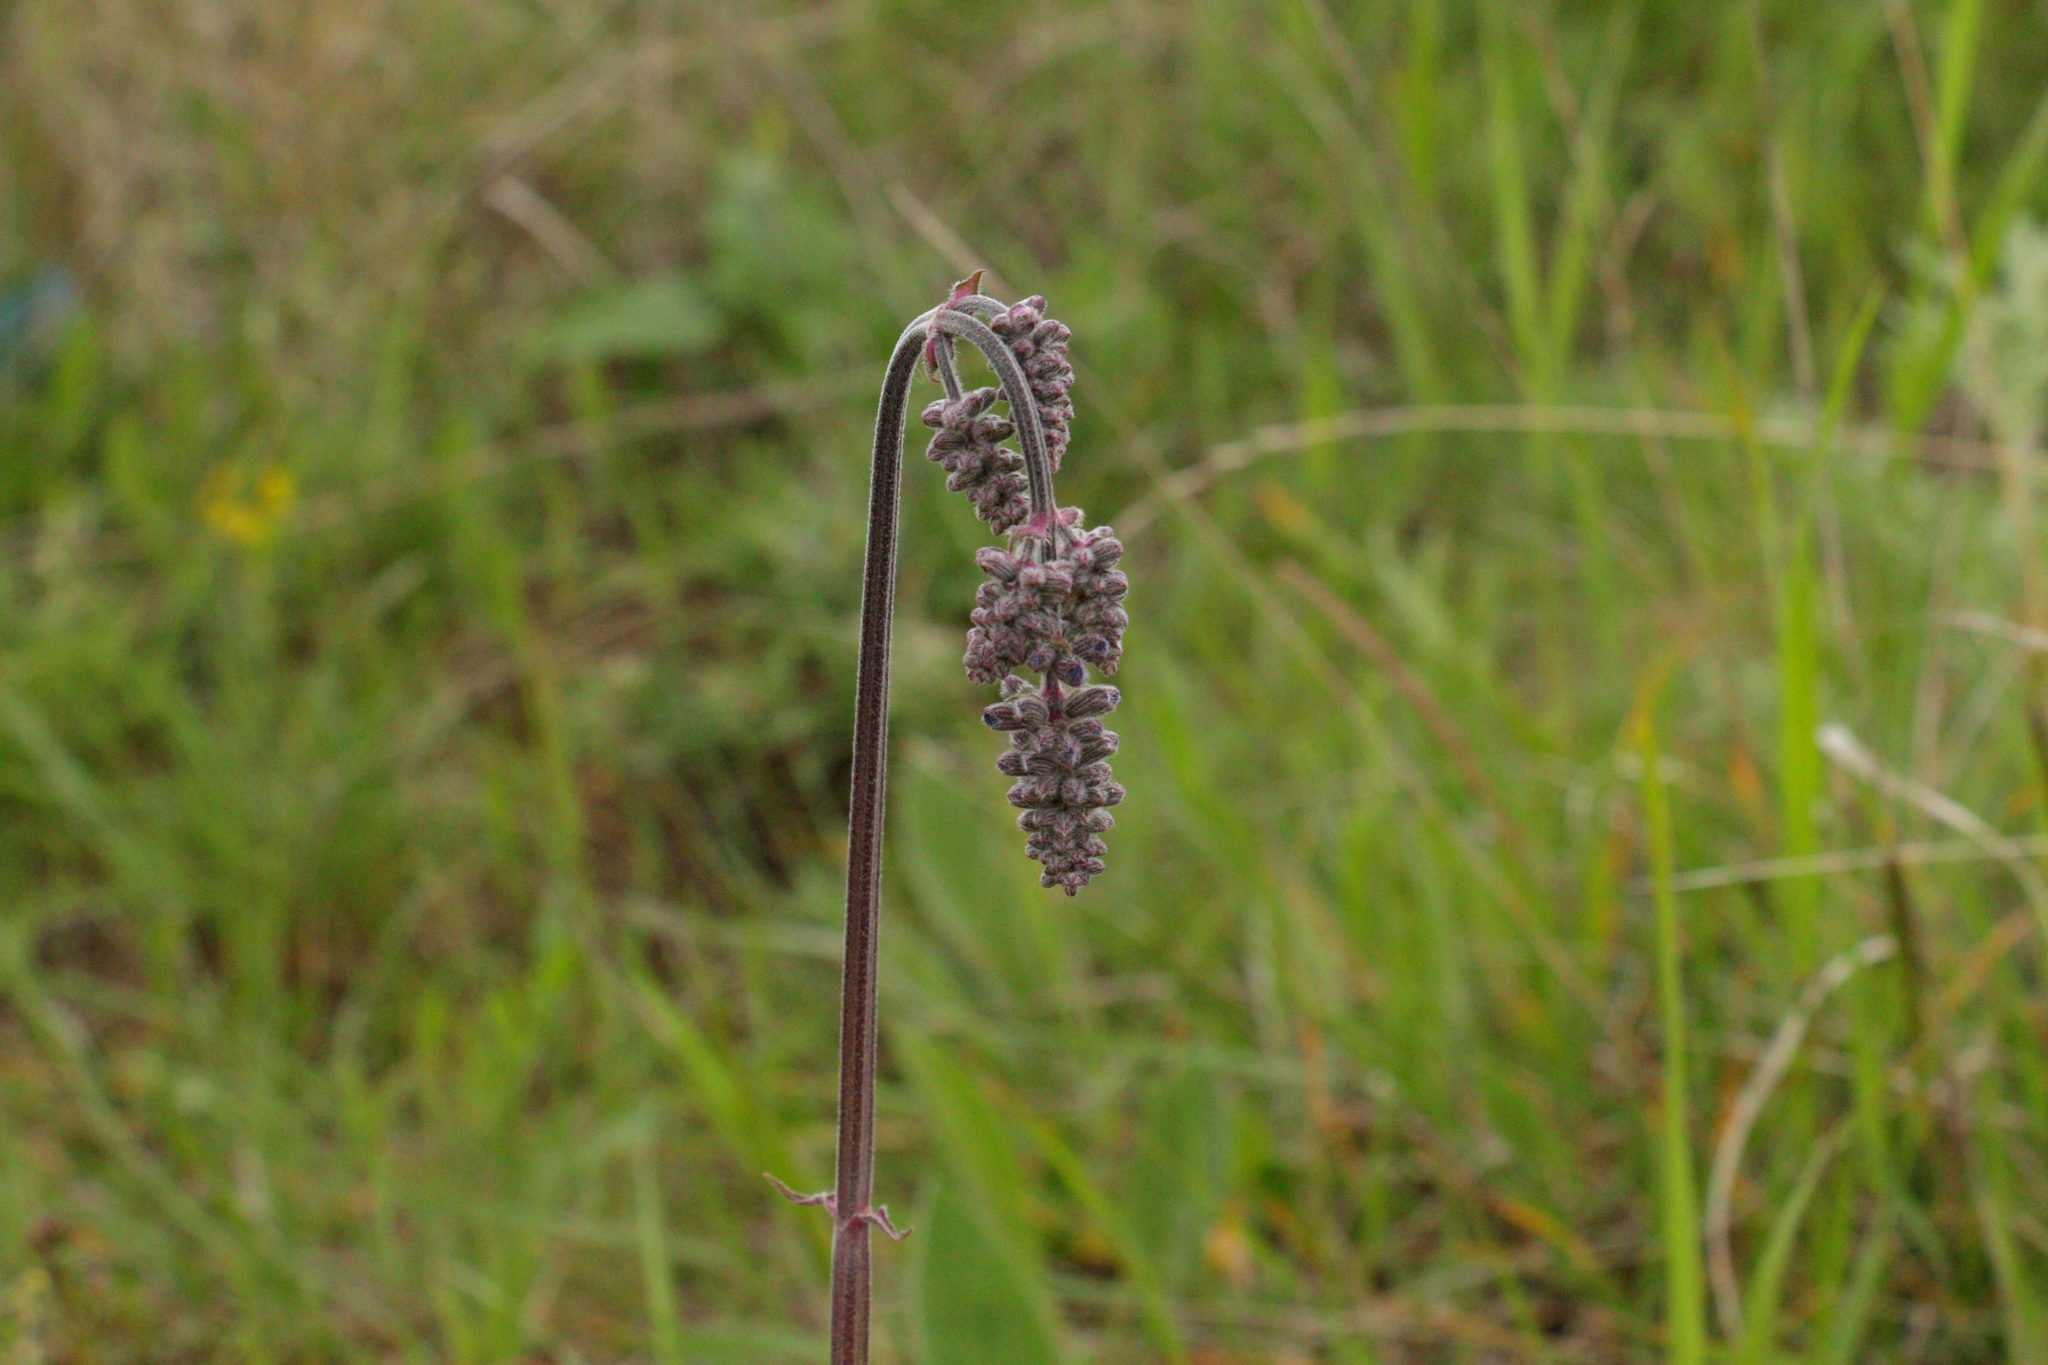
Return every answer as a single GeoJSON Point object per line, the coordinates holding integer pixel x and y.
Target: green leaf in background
{"type": "Point", "coordinates": [974, 1139]}
{"type": "Point", "coordinates": [656, 315]}
{"type": "Point", "coordinates": [746, 1345]}
{"type": "Point", "coordinates": [958, 861]}
{"type": "Point", "coordinates": [775, 236]}
{"type": "Point", "coordinates": [1181, 1171]}
{"type": "Point", "coordinates": [977, 1303]}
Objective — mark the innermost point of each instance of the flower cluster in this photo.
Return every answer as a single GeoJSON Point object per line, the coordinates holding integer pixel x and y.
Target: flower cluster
{"type": "Point", "coordinates": [1040, 344]}
{"type": "Point", "coordinates": [1019, 617]}
{"type": "Point", "coordinates": [1050, 610]}
{"type": "Point", "coordinates": [1057, 750]}
{"type": "Point", "coordinates": [966, 444]}
{"type": "Point", "coordinates": [1052, 603]}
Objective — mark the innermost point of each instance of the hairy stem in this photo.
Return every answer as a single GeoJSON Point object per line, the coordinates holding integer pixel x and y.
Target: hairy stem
{"type": "Point", "coordinates": [949, 373]}
{"type": "Point", "coordinates": [852, 1209]}
{"type": "Point", "coordinates": [854, 1181]}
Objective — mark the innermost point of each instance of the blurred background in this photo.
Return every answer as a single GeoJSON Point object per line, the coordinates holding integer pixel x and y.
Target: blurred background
{"type": "Point", "coordinates": [1580, 895]}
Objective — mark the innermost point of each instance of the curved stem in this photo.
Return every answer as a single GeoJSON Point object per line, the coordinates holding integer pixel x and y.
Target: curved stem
{"type": "Point", "coordinates": [854, 1180]}
{"type": "Point", "coordinates": [853, 1192]}
{"type": "Point", "coordinates": [981, 305]}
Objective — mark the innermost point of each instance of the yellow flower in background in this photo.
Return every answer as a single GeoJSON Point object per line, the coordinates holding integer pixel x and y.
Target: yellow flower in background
{"type": "Point", "coordinates": [246, 507]}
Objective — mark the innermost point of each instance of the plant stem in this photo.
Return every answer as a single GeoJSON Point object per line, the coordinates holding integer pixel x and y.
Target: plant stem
{"type": "Point", "coordinates": [1685, 1324]}
{"type": "Point", "coordinates": [854, 1182]}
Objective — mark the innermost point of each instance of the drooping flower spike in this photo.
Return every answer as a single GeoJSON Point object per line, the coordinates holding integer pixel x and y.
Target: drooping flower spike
{"type": "Point", "coordinates": [1053, 600]}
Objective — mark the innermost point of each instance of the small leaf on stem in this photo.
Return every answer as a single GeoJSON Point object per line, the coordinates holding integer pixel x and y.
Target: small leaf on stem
{"type": "Point", "coordinates": [962, 289]}
{"type": "Point", "coordinates": [823, 1198]}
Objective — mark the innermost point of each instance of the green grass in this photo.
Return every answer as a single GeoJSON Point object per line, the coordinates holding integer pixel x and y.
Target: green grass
{"type": "Point", "coordinates": [427, 584]}
{"type": "Point", "coordinates": [1685, 1302]}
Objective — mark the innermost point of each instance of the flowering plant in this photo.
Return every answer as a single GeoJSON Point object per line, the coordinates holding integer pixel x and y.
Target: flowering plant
{"type": "Point", "coordinates": [1052, 605]}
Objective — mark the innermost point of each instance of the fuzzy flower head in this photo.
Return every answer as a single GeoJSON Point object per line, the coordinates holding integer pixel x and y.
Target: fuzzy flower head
{"type": "Point", "coordinates": [1058, 752]}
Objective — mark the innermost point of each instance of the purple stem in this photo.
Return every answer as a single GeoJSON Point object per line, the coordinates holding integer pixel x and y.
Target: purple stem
{"type": "Point", "coordinates": [851, 1202]}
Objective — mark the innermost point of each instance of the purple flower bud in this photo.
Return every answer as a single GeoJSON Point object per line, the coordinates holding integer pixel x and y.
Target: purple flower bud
{"type": "Point", "coordinates": [1092, 701]}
